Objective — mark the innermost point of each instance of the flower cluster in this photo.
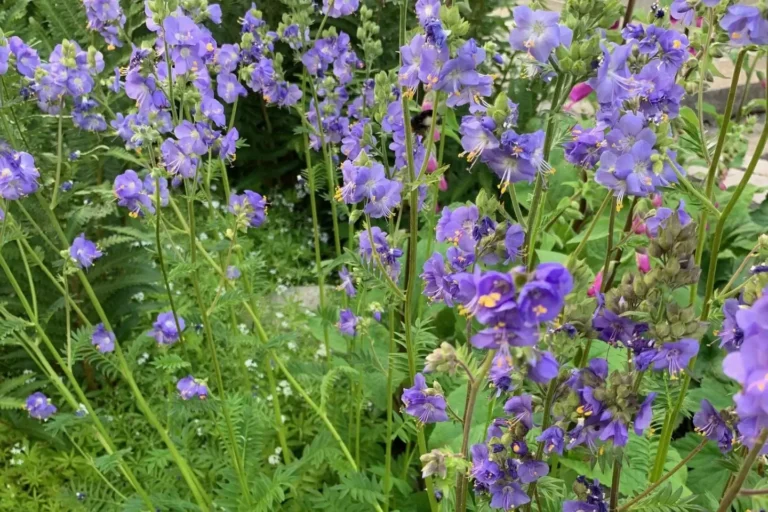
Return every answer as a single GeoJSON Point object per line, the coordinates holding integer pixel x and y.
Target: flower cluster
{"type": "Point", "coordinates": [748, 366]}
{"type": "Point", "coordinates": [138, 195]}
{"type": "Point", "coordinates": [107, 18]}
{"type": "Point", "coordinates": [369, 184]}
{"type": "Point", "coordinates": [591, 497]}
{"type": "Point", "coordinates": [39, 406]}
{"type": "Point", "coordinates": [190, 387]}
{"type": "Point", "coordinates": [165, 330]}
{"type": "Point", "coordinates": [374, 239]}
{"type": "Point", "coordinates": [83, 252]}
{"type": "Point", "coordinates": [602, 407]}
{"type": "Point", "coordinates": [424, 403]}
{"type": "Point", "coordinates": [102, 339]}
{"type": "Point", "coordinates": [18, 174]}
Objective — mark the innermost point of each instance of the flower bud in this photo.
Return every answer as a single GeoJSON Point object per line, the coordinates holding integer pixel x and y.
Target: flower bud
{"type": "Point", "coordinates": [442, 359]}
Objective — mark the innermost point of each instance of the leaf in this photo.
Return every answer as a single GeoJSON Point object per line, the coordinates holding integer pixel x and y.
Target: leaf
{"type": "Point", "coordinates": [449, 433]}
{"type": "Point", "coordinates": [330, 378]}
{"type": "Point", "coordinates": [360, 488]}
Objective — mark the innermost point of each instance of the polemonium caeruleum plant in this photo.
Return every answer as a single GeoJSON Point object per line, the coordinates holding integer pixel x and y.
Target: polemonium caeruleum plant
{"type": "Point", "coordinates": [513, 345]}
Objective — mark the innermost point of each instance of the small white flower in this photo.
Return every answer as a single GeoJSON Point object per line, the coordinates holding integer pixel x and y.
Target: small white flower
{"type": "Point", "coordinates": [243, 328]}
{"type": "Point", "coordinates": [274, 460]}
{"type": "Point", "coordinates": [324, 238]}
{"type": "Point", "coordinates": [213, 187]}
{"type": "Point", "coordinates": [203, 237]}
{"type": "Point", "coordinates": [269, 398]}
{"type": "Point", "coordinates": [283, 419]}
{"type": "Point", "coordinates": [250, 364]}
{"type": "Point", "coordinates": [273, 271]}
{"type": "Point", "coordinates": [279, 315]}
{"type": "Point", "coordinates": [216, 204]}
{"type": "Point", "coordinates": [139, 297]}
{"type": "Point", "coordinates": [281, 289]}
{"type": "Point", "coordinates": [292, 346]}
{"type": "Point", "coordinates": [199, 431]}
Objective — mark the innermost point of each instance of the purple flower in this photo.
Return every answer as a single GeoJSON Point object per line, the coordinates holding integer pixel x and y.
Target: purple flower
{"type": "Point", "coordinates": [164, 329]}
{"type": "Point", "coordinates": [435, 34]}
{"type": "Point", "coordinates": [745, 25]}
{"type": "Point", "coordinates": [513, 241]}
{"type": "Point", "coordinates": [613, 76]}
{"type": "Point", "coordinates": [535, 32]}
{"type": "Point", "coordinates": [500, 375]}
{"type": "Point", "coordinates": [508, 330]}
{"type": "Point", "coordinates": [521, 410]}
{"type": "Point", "coordinates": [615, 431]}
{"type": "Point", "coordinates": [103, 339]}
{"type": "Point", "coordinates": [107, 18]}
{"type": "Point", "coordinates": [213, 110]}
{"type": "Point", "coordinates": [426, 10]}
{"type": "Point", "coordinates": [484, 470]}
{"type": "Point", "coordinates": [384, 198]}
{"type": "Point", "coordinates": [233, 273]}
{"type": "Point", "coordinates": [177, 162]}
{"type": "Point", "coordinates": [710, 424]}
{"type": "Point", "coordinates": [347, 323]}
{"type": "Point", "coordinates": [553, 439]}
{"type": "Point", "coordinates": [675, 356]}
{"type": "Point", "coordinates": [346, 282]}
{"type": "Point", "coordinates": [426, 404]}
{"type": "Point", "coordinates": [149, 188]}
{"type": "Point", "coordinates": [386, 254]}
{"type": "Point", "coordinates": [586, 146]}
{"type": "Point", "coordinates": [659, 220]}
{"type": "Point", "coordinates": [486, 295]}
{"type": "Point", "coordinates": [542, 367]}
{"type": "Point", "coordinates": [39, 406]}
{"type": "Point", "coordinates": [731, 335]}
{"type": "Point", "coordinates": [339, 8]}
{"type": "Point", "coordinates": [507, 495]}
{"type": "Point", "coordinates": [644, 415]}
{"type": "Point", "coordinates": [189, 387]}
{"type": "Point", "coordinates": [130, 193]}
{"type": "Point", "coordinates": [18, 174]}
{"type": "Point", "coordinates": [531, 470]}
{"type": "Point", "coordinates": [438, 284]}
{"type": "Point", "coordinates": [83, 252]}
{"type": "Point", "coordinates": [457, 227]}
{"type": "Point", "coordinates": [250, 204]}
{"type": "Point", "coordinates": [540, 301]}
{"type": "Point", "coordinates": [27, 60]}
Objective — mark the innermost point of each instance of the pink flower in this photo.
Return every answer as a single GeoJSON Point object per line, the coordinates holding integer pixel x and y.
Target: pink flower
{"type": "Point", "coordinates": [638, 225]}
{"type": "Point", "coordinates": [596, 284]}
{"type": "Point", "coordinates": [643, 262]}
{"type": "Point", "coordinates": [431, 165]}
{"type": "Point", "coordinates": [443, 185]}
{"type": "Point", "coordinates": [578, 93]}
{"type": "Point", "coordinates": [656, 200]}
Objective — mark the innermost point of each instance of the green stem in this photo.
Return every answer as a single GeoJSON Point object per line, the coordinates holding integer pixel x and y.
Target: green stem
{"type": "Point", "coordinates": [692, 190]}
{"type": "Point", "coordinates": [535, 213]}
{"type": "Point", "coordinates": [88, 458]}
{"type": "Point", "coordinates": [233, 448]}
{"type": "Point", "coordinates": [615, 483]}
{"type": "Point", "coordinates": [667, 476]}
{"type": "Point", "coordinates": [710, 181]}
{"type": "Point", "coordinates": [474, 388]}
{"type": "Point", "coordinates": [516, 205]}
{"type": "Point", "coordinates": [574, 256]}
{"type": "Point", "coordinates": [186, 471]}
{"type": "Point", "coordinates": [741, 476]}
{"type": "Point", "coordinates": [233, 113]}
{"type": "Point", "coordinates": [331, 174]}
{"type": "Point", "coordinates": [703, 64]}
{"type": "Point", "coordinates": [103, 435]}
{"type": "Point", "coordinates": [611, 227]}
{"type": "Point", "coordinates": [161, 260]}
{"type": "Point", "coordinates": [59, 144]}
{"type": "Point", "coordinates": [388, 441]}
{"type": "Point", "coordinates": [316, 232]}
{"type": "Point", "coordinates": [169, 71]}
{"type": "Point", "coordinates": [753, 253]}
